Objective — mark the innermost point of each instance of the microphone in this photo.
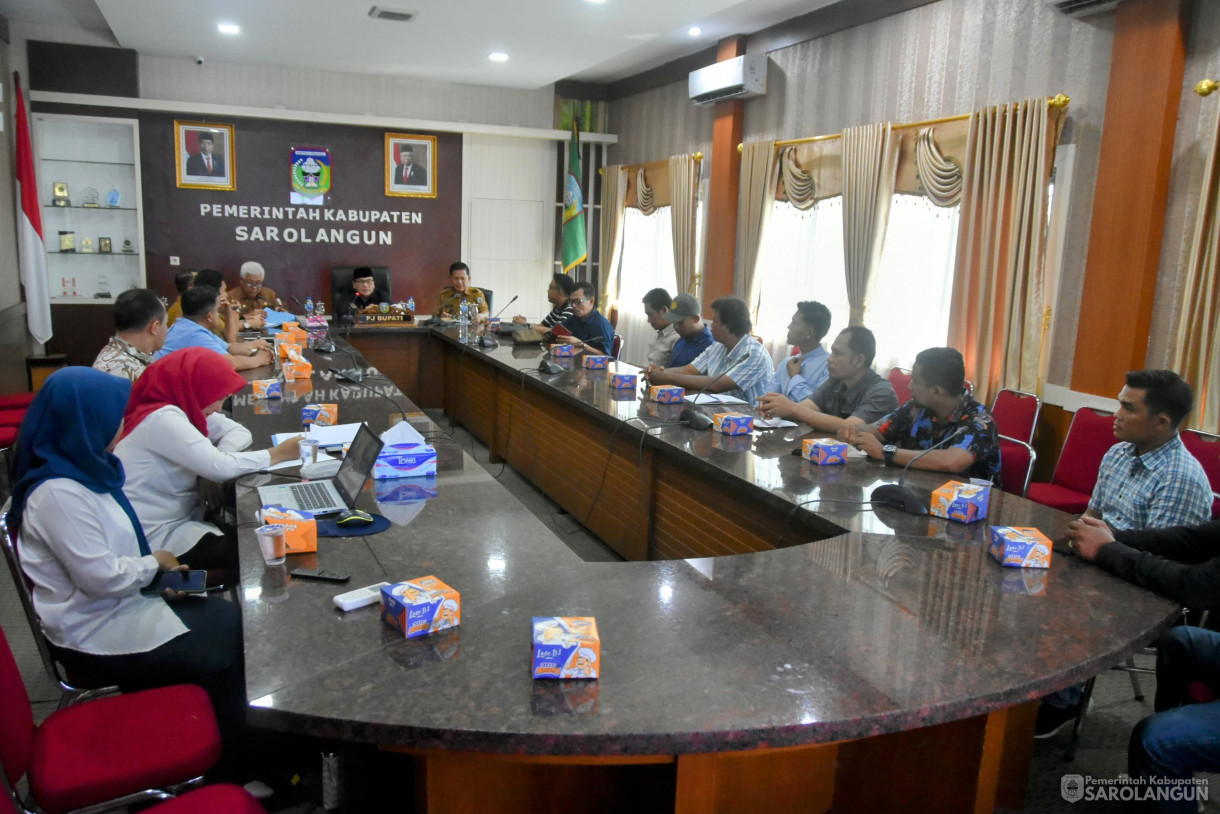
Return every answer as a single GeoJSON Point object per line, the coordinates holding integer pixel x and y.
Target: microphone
{"type": "Point", "coordinates": [355, 374]}
{"type": "Point", "coordinates": [505, 308]}
{"type": "Point", "coordinates": [902, 497]}
{"type": "Point", "coordinates": [692, 417]}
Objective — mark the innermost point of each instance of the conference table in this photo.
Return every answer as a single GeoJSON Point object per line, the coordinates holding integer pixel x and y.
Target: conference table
{"type": "Point", "coordinates": [763, 648]}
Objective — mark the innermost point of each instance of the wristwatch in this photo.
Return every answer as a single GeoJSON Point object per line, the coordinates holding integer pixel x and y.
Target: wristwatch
{"type": "Point", "coordinates": [253, 351]}
{"type": "Point", "coordinates": [245, 325]}
{"type": "Point", "coordinates": [888, 451]}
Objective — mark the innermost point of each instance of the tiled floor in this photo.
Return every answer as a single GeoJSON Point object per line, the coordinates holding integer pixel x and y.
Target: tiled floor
{"type": "Point", "coordinates": [1102, 751]}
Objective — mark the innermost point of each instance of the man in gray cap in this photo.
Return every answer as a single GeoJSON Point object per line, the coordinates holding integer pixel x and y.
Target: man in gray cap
{"type": "Point", "coordinates": [694, 337]}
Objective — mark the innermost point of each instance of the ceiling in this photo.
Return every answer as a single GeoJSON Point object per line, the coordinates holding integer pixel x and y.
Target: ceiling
{"type": "Point", "coordinates": [449, 40]}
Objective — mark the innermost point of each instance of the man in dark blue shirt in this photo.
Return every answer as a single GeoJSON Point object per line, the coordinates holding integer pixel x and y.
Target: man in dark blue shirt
{"type": "Point", "coordinates": [589, 328]}
{"type": "Point", "coordinates": [686, 313]}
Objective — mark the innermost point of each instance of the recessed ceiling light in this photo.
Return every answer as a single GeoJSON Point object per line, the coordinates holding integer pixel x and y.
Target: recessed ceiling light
{"type": "Point", "coordinates": [694, 31]}
{"type": "Point", "coordinates": [596, 1]}
{"type": "Point", "coordinates": [228, 28]}
{"type": "Point", "coordinates": [498, 56]}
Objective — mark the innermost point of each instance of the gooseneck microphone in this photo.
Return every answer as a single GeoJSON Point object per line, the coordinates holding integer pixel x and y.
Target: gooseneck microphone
{"type": "Point", "coordinates": [505, 308]}
{"type": "Point", "coordinates": [692, 417]}
{"type": "Point", "coordinates": [355, 374]}
{"type": "Point", "coordinates": [898, 496]}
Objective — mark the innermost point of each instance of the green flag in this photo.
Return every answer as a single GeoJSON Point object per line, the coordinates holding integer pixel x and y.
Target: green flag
{"type": "Point", "coordinates": [574, 249]}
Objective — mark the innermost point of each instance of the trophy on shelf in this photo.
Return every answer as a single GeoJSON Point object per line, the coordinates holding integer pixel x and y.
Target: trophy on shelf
{"type": "Point", "coordinates": [89, 198]}
{"type": "Point", "coordinates": [103, 245]}
{"type": "Point", "coordinates": [67, 241]}
{"type": "Point", "coordinates": [59, 191]}
{"type": "Point", "coordinates": [86, 245]}
{"type": "Point", "coordinates": [113, 197]}
{"type": "Point", "coordinates": [103, 288]}
{"type": "Point", "coordinates": [128, 248]}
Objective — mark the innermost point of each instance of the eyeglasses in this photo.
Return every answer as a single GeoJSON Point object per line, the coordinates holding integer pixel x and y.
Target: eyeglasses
{"type": "Point", "coordinates": [580, 300]}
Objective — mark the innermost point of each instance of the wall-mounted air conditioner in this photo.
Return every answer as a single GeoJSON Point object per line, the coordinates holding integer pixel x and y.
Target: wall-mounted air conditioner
{"type": "Point", "coordinates": [737, 78]}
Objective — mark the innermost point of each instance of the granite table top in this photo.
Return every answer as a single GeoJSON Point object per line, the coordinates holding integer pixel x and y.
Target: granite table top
{"type": "Point", "coordinates": [879, 629]}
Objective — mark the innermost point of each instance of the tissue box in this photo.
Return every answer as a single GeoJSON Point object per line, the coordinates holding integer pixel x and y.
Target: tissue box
{"type": "Point", "coordinates": [1020, 547]}
{"type": "Point", "coordinates": [287, 345]}
{"type": "Point", "coordinates": [667, 393]}
{"type": "Point", "coordinates": [300, 529]}
{"type": "Point", "coordinates": [563, 350]}
{"type": "Point", "coordinates": [623, 380]}
{"type": "Point", "coordinates": [566, 647]}
{"type": "Point", "coordinates": [405, 461]}
{"type": "Point", "coordinates": [267, 389]}
{"type": "Point", "coordinates": [824, 451]}
{"type": "Point", "coordinates": [595, 362]}
{"type": "Point", "coordinates": [420, 606]}
{"type": "Point", "coordinates": [493, 324]}
{"type": "Point", "coordinates": [324, 415]}
{"type": "Point", "coordinates": [290, 326]}
{"type": "Point", "coordinates": [733, 423]}
{"type": "Point", "coordinates": [963, 502]}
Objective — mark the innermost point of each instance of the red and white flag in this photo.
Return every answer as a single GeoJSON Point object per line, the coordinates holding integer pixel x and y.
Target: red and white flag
{"type": "Point", "coordinates": [31, 251]}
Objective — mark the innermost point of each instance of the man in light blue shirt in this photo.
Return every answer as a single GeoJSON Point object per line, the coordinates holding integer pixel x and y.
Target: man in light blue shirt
{"type": "Point", "coordinates": [200, 315]}
{"type": "Point", "coordinates": [736, 364]}
{"type": "Point", "coordinates": [797, 377]}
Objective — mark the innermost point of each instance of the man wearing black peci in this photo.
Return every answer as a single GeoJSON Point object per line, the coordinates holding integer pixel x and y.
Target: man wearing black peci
{"type": "Point", "coordinates": [366, 293]}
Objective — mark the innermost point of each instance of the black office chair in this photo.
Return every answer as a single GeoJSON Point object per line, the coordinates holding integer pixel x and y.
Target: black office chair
{"type": "Point", "coordinates": [341, 283]}
{"type": "Point", "coordinates": [487, 294]}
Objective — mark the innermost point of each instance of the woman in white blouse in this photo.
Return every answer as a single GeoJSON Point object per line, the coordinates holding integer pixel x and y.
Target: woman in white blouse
{"type": "Point", "coordinates": [83, 548]}
{"type": "Point", "coordinates": [173, 435]}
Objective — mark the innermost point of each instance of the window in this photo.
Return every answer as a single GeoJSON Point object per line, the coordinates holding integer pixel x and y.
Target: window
{"type": "Point", "coordinates": [907, 307]}
{"type": "Point", "coordinates": [647, 263]}
{"type": "Point", "coordinates": [801, 259]}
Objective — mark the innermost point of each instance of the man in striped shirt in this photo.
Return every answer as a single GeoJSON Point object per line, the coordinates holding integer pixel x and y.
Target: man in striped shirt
{"type": "Point", "coordinates": [736, 364]}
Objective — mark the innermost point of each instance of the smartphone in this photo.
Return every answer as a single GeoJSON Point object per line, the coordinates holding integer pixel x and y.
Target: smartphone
{"type": "Point", "coordinates": [187, 582]}
{"type": "Point", "coordinates": [324, 575]}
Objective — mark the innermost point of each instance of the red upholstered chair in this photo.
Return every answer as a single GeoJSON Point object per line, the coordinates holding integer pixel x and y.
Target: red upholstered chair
{"type": "Point", "coordinates": [1016, 465]}
{"type": "Point", "coordinates": [616, 349]}
{"type": "Point", "coordinates": [15, 401]}
{"type": "Point", "coordinates": [1088, 439]}
{"type": "Point", "coordinates": [223, 797]}
{"type": "Point", "coordinates": [1016, 414]}
{"type": "Point", "coordinates": [120, 749]}
{"type": "Point", "coordinates": [11, 418]}
{"type": "Point", "coordinates": [900, 378]}
{"type": "Point", "coordinates": [1206, 447]}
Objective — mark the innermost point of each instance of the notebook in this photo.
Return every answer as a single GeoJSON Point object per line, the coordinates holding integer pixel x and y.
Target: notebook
{"type": "Point", "coordinates": [331, 496]}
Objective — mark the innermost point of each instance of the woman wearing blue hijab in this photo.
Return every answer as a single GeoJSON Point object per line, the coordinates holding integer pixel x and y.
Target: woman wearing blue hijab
{"type": "Point", "coordinates": [84, 550]}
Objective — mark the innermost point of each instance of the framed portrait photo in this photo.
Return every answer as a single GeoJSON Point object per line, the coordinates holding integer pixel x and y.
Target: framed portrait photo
{"type": "Point", "coordinates": [410, 166]}
{"type": "Point", "coordinates": [205, 156]}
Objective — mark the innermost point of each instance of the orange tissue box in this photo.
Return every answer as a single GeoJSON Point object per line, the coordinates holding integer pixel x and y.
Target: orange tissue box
{"type": "Point", "coordinates": [963, 502]}
{"type": "Point", "coordinates": [623, 380]}
{"type": "Point", "coordinates": [563, 350]}
{"type": "Point", "coordinates": [666, 393]}
{"type": "Point", "coordinates": [824, 451]}
{"type": "Point", "coordinates": [421, 606]}
{"type": "Point", "coordinates": [595, 362]}
{"type": "Point", "coordinates": [733, 423]}
{"type": "Point", "coordinates": [268, 389]}
{"type": "Point", "coordinates": [300, 529]}
{"type": "Point", "coordinates": [1020, 547]}
{"type": "Point", "coordinates": [566, 647]}
{"type": "Point", "coordinates": [324, 415]}
{"type": "Point", "coordinates": [287, 346]}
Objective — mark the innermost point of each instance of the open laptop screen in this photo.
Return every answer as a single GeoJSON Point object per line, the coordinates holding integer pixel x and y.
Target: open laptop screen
{"type": "Point", "coordinates": [358, 464]}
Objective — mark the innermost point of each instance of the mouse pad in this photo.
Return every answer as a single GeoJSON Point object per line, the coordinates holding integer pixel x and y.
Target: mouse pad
{"type": "Point", "coordinates": [329, 528]}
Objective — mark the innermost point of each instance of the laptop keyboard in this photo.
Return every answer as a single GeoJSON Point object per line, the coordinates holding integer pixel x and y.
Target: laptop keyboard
{"type": "Point", "coordinates": [312, 495]}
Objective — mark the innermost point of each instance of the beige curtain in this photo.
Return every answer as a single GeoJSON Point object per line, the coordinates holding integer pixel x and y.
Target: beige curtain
{"type": "Point", "coordinates": [614, 201]}
{"type": "Point", "coordinates": [998, 309]}
{"type": "Point", "coordinates": [870, 165]}
{"type": "Point", "coordinates": [759, 170]}
{"type": "Point", "coordinates": [684, 203]}
{"type": "Point", "coordinates": [1196, 354]}
{"type": "Point", "coordinates": [940, 178]}
{"type": "Point", "coordinates": [644, 197]}
{"type": "Point", "coordinates": [798, 184]}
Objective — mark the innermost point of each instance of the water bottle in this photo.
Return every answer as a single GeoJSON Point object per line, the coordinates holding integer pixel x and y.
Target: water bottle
{"type": "Point", "coordinates": [464, 313]}
{"type": "Point", "coordinates": [319, 308]}
{"type": "Point", "coordinates": [411, 304]}
{"type": "Point", "coordinates": [308, 307]}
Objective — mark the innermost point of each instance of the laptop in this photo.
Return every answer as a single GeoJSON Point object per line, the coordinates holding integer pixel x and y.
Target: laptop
{"type": "Point", "coordinates": [334, 495]}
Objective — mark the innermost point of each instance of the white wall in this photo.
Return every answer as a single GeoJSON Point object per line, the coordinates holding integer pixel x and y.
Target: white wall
{"type": "Point", "coordinates": [508, 218]}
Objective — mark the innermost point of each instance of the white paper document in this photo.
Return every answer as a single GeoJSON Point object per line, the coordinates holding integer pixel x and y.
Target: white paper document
{"type": "Point", "coordinates": [773, 423]}
{"type": "Point", "coordinates": [713, 398]}
{"type": "Point", "coordinates": [335, 436]}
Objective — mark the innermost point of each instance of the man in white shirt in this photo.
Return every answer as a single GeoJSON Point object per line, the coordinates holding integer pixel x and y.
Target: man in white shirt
{"type": "Point", "coordinates": [661, 348]}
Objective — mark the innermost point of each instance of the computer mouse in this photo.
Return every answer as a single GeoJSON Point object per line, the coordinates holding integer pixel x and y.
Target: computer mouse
{"type": "Point", "coordinates": [354, 517]}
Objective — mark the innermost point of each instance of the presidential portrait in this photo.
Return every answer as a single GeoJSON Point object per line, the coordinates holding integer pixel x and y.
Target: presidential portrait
{"type": "Point", "coordinates": [410, 166]}
{"type": "Point", "coordinates": [205, 155]}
